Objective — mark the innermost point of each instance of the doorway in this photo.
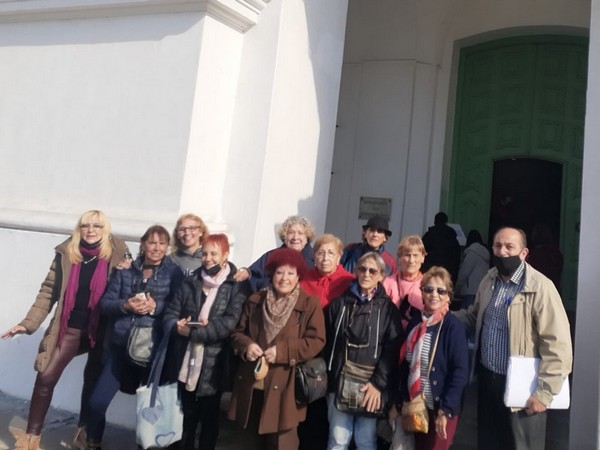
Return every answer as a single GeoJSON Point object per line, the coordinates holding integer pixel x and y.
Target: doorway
{"type": "Point", "coordinates": [520, 109]}
{"type": "Point", "coordinates": [526, 192]}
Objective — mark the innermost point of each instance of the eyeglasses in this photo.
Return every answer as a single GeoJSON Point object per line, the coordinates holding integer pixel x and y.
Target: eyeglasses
{"type": "Point", "coordinates": [371, 270]}
{"type": "Point", "coordinates": [183, 230]}
{"type": "Point", "coordinates": [87, 226]}
{"type": "Point", "coordinates": [322, 254]}
{"type": "Point", "coordinates": [431, 289]}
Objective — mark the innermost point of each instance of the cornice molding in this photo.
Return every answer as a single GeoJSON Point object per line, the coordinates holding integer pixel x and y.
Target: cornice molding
{"type": "Point", "coordinates": [62, 223]}
{"type": "Point", "coordinates": [240, 15]}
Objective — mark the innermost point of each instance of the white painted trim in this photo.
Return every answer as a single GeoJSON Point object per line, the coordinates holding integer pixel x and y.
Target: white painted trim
{"type": "Point", "coordinates": [62, 223]}
{"type": "Point", "coordinates": [240, 15]}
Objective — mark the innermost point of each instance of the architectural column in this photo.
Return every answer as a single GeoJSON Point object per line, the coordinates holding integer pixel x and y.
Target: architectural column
{"type": "Point", "coordinates": [585, 397]}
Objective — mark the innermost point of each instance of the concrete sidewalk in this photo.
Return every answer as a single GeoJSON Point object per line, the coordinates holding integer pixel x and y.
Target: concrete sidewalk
{"type": "Point", "coordinates": [60, 428]}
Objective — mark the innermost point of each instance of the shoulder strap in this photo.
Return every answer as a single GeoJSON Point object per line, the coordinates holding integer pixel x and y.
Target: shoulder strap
{"type": "Point", "coordinates": [337, 330]}
{"type": "Point", "coordinates": [159, 361]}
{"type": "Point", "coordinates": [437, 338]}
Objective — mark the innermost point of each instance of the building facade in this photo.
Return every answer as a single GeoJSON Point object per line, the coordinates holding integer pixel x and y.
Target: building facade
{"type": "Point", "coordinates": [247, 111]}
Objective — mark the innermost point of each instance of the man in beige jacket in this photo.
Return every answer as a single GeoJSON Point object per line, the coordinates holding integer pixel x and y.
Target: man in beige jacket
{"type": "Point", "coordinates": [517, 312]}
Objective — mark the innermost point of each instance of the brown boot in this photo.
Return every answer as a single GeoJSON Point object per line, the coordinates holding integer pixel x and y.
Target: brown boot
{"type": "Point", "coordinates": [28, 442]}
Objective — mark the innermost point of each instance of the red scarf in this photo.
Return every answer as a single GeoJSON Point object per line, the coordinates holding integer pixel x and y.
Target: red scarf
{"type": "Point", "coordinates": [97, 287]}
{"type": "Point", "coordinates": [414, 344]}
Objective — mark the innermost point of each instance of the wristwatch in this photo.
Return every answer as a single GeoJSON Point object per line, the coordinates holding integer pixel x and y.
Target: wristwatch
{"type": "Point", "coordinates": [441, 412]}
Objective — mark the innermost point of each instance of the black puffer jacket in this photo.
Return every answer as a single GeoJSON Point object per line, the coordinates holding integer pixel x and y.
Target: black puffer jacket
{"type": "Point", "coordinates": [125, 284]}
{"type": "Point", "coordinates": [373, 325]}
{"type": "Point", "coordinates": [222, 319]}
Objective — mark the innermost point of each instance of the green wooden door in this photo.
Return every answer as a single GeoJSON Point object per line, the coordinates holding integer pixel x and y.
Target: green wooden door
{"type": "Point", "coordinates": [521, 97]}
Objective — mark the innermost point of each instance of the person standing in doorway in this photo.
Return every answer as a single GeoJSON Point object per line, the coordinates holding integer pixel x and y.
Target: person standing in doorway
{"type": "Point", "coordinates": [441, 246]}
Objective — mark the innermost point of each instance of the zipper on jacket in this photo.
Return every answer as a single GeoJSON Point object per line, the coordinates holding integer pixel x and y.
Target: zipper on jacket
{"type": "Point", "coordinates": [377, 334]}
{"type": "Point", "coordinates": [337, 330]}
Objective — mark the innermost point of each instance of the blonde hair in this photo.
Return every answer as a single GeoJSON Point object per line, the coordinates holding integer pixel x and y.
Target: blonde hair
{"type": "Point", "coordinates": [309, 230]}
{"type": "Point", "coordinates": [410, 241]}
{"type": "Point", "coordinates": [90, 217]}
{"type": "Point", "coordinates": [175, 243]}
{"type": "Point", "coordinates": [328, 239]}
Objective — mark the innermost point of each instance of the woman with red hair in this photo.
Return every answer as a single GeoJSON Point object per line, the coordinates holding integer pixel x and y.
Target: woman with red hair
{"type": "Point", "coordinates": [207, 308]}
{"type": "Point", "coordinates": [281, 326]}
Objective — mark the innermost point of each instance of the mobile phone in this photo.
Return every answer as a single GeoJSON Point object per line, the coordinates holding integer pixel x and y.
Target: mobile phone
{"type": "Point", "coordinates": [194, 324]}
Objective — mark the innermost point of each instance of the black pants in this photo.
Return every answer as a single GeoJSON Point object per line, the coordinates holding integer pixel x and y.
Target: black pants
{"type": "Point", "coordinates": [203, 412]}
{"type": "Point", "coordinates": [498, 427]}
{"type": "Point", "coordinates": [314, 431]}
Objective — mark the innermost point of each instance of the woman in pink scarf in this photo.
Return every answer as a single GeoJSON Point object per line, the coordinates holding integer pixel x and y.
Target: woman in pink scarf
{"type": "Point", "coordinates": [404, 287]}
{"type": "Point", "coordinates": [207, 307]}
{"type": "Point", "coordinates": [76, 281]}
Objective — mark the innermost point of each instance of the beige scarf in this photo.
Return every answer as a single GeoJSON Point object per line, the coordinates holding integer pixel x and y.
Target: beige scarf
{"type": "Point", "coordinates": [277, 312]}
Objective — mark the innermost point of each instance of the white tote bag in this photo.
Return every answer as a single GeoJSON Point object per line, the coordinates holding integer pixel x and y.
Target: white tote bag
{"type": "Point", "coordinates": [159, 422]}
{"type": "Point", "coordinates": [159, 414]}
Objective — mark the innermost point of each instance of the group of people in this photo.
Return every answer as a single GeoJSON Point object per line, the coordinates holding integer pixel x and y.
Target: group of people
{"type": "Point", "coordinates": [245, 329]}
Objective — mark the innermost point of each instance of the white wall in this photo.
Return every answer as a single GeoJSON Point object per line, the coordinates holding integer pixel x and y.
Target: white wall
{"type": "Point", "coordinates": [97, 111]}
{"type": "Point", "coordinates": [412, 145]}
{"type": "Point", "coordinates": [284, 126]}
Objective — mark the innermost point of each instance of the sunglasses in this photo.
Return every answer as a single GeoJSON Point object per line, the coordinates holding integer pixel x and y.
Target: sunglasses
{"type": "Point", "coordinates": [371, 270]}
{"type": "Point", "coordinates": [430, 289]}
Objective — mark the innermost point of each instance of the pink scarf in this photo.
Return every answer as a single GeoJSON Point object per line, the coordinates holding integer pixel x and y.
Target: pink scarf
{"type": "Point", "coordinates": [411, 288]}
{"type": "Point", "coordinates": [97, 287]}
{"type": "Point", "coordinates": [194, 354]}
{"type": "Point", "coordinates": [414, 344]}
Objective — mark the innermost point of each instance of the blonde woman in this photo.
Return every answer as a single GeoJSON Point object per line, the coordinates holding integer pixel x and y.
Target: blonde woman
{"type": "Point", "coordinates": [186, 243]}
{"type": "Point", "coordinates": [77, 279]}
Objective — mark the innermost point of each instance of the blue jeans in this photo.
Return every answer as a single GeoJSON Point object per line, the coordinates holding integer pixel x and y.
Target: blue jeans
{"type": "Point", "coordinates": [342, 426]}
{"type": "Point", "coordinates": [107, 386]}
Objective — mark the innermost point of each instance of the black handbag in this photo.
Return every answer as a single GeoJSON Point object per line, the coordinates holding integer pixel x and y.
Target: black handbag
{"type": "Point", "coordinates": [311, 381]}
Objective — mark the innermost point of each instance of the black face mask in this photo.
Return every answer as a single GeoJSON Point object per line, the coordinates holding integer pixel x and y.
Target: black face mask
{"type": "Point", "coordinates": [508, 265]}
{"type": "Point", "coordinates": [212, 271]}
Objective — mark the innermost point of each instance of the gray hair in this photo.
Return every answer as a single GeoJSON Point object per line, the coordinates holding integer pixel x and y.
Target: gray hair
{"type": "Point", "coordinates": [376, 257]}
{"type": "Point", "coordinates": [296, 220]}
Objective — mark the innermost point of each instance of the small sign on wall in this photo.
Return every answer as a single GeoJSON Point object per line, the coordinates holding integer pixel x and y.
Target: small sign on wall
{"type": "Point", "coordinates": [374, 206]}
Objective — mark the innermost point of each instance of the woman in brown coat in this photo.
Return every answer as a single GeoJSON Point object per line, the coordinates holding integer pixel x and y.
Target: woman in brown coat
{"type": "Point", "coordinates": [76, 281]}
{"type": "Point", "coordinates": [280, 326]}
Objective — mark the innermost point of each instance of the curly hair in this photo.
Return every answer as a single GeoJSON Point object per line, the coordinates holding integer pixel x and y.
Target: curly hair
{"type": "Point", "coordinates": [296, 220]}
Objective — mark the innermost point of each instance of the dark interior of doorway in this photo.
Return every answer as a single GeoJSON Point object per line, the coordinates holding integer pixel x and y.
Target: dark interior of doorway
{"type": "Point", "coordinates": [526, 192]}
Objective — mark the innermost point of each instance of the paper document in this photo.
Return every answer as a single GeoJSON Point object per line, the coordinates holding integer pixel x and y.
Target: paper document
{"type": "Point", "coordinates": [521, 381]}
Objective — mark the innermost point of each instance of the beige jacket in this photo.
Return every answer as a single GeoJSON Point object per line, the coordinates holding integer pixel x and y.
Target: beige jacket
{"type": "Point", "coordinates": [52, 292]}
{"type": "Point", "coordinates": [538, 327]}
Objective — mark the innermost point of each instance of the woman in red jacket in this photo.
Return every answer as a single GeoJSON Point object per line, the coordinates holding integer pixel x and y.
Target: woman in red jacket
{"type": "Point", "coordinates": [328, 279]}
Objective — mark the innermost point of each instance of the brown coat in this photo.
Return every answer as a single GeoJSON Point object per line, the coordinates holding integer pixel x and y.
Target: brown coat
{"type": "Point", "coordinates": [52, 292]}
{"type": "Point", "coordinates": [301, 338]}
